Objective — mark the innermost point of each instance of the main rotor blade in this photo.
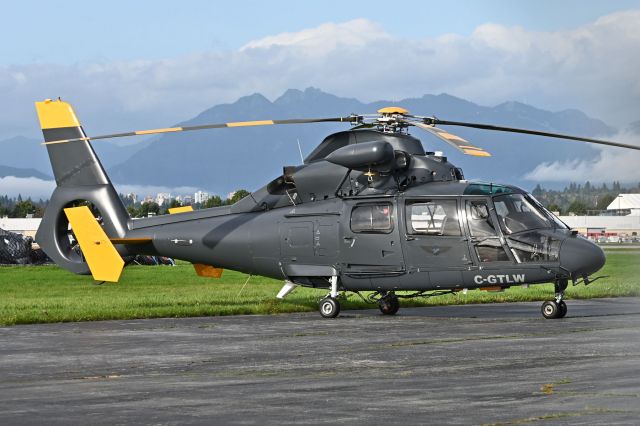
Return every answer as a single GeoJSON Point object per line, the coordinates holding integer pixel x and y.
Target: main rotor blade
{"type": "Point", "coordinates": [529, 132]}
{"type": "Point", "coordinates": [348, 119]}
{"type": "Point", "coordinates": [457, 142]}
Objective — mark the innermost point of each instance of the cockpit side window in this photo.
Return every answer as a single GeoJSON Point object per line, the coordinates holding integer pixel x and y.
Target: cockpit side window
{"type": "Point", "coordinates": [433, 217]}
{"type": "Point", "coordinates": [516, 214]}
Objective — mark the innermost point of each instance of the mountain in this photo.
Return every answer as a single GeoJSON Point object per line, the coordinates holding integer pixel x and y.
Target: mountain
{"type": "Point", "coordinates": [22, 173]}
{"type": "Point", "coordinates": [227, 159]}
{"type": "Point", "coordinates": [25, 153]}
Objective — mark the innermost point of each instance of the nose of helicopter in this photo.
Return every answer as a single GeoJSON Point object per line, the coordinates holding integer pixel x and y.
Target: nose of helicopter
{"type": "Point", "coordinates": [580, 256]}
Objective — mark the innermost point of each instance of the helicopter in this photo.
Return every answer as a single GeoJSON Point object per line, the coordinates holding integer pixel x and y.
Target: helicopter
{"type": "Point", "coordinates": [369, 211]}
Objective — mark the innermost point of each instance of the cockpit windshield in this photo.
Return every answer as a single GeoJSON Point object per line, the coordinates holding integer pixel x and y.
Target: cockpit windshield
{"type": "Point", "coordinates": [517, 213]}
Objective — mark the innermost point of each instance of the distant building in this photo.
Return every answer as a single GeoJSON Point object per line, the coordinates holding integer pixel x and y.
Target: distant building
{"type": "Point", "coordinates": [200, 197]}
{"type": "Point", "coordinates": [187, 200]}
{"type": "Point", "coordinates": [132, 197]}
{"type": "Point", "coordinates": [162, 198]}
{"type": "Point", "coordinates": [626, 202]}
{"type": "Point", "coordinates": [24, 226]}
{"type": "Point", "coordinates": [610, 228]}
{"type": "Point", "coordinates": [148, 199]}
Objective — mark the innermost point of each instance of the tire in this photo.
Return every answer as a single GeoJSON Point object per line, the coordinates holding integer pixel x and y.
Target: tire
{"type": "Point", "coordinates": [389, 305]}
{"type": "Point", "coordinates": [329, 307]}
{"type": "Point", "coordinates": [550, 309]}
{"type": "Point", "coordinates": [562, 309]}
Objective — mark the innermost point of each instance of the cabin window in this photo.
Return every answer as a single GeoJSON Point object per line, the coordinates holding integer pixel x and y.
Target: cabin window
{"type": "Point", "coordinates": [374, 218]}
{"type": "Point", "coordinates": [433, 217]}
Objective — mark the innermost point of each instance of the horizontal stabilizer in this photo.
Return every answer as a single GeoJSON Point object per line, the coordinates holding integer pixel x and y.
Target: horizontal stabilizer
{"type": "Point", "coordinates": [131, 241]}
{"type": "Point", "coordinates": [183, 209]}
{"type": "Point", "coordinates": [102, 257]}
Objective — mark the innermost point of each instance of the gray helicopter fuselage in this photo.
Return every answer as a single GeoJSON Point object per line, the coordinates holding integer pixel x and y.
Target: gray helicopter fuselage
{"type": "Point", "coordinates": [410, 224]}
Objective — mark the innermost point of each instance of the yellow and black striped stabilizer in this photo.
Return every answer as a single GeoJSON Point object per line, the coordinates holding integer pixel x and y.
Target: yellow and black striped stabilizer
{"type": "Point", "coordinates": [103, 259]}
{"type": "Point", "coordinates": [74, 164]}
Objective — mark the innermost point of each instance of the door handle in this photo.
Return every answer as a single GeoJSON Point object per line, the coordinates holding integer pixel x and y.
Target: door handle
{"type": "Point", "coordinates": [409, 238]}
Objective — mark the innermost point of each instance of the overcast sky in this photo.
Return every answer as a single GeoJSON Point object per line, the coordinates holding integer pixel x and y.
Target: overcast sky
{"type": "Point", "coordinates": [152, 63]}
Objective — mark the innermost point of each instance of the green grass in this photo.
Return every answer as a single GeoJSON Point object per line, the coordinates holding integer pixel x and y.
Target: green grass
{"type": "Point", "coordinates": [40, 294]}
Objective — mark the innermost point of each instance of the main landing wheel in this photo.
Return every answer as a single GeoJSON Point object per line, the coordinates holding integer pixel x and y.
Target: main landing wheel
{"type": "Point", "coordinates": [552, 309]}
{"type": "Point", "coordinates": [563, 309]}
{"type": "Point", "coordinates": [389, 304]}
{"type": "Point", "coordinates": [329, 307]}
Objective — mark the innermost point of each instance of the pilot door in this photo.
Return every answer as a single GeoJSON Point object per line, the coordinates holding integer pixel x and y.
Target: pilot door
{"type": "Point", "coordinates": [436, 249]}
{"type": "Point", "coordinates": [488, 249]}
{"type": "Point", "coordinates": [370, 251]}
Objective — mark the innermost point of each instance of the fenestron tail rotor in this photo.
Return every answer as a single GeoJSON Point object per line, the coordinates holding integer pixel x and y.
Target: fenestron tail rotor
{"type": "Point", "coordinates": [389, 119]}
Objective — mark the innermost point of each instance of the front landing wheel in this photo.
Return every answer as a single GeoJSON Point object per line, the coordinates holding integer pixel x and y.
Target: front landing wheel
{"type": "Point", "coordinates": [550, 309]}
{"type": "Point", "coordinates": [329, 307]}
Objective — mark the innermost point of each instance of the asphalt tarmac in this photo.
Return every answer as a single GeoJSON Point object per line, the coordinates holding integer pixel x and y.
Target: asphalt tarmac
{"type": "Point", "coordinates": [476, 364]}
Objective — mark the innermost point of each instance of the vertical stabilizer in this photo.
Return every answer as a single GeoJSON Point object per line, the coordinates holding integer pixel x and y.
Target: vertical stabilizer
{"type": "Point", "coordinates": [80, 179]}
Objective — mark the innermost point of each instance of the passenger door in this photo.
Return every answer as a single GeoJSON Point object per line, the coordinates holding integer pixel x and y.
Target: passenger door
{"type": "Point", "coordinates": [370, 246]}
{"type": "Point", "coordinates": [436, 251]}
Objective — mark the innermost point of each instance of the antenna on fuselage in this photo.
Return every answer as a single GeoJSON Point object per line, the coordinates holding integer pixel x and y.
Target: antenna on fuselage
{"type": "Point", "coordinates": [300, 150]}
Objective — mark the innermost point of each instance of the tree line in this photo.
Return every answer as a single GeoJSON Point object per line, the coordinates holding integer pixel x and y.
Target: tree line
{"type": "Point", "coordinates": [140, 209]}
{"type": "Point", "coordinates": [581, 199]}
{"type": "Point", "coordinates": [17, 207]}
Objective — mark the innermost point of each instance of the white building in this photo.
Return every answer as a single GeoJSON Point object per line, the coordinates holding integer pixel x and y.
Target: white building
{"type": "Point", "coordinates": [611, 227]}
{"type": "Point", "coordinates": [626, 202]}
{"type": "Point", "coordinates": [201, 197]}
{"type": "Point", "coordinates": [24, 226]}
{"type": "Point", "coordinates": [162, 198]}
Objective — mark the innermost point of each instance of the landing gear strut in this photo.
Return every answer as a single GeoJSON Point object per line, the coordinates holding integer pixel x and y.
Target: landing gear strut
{"type": "Point", "coordinates": [557, 308]}
{"type": "Point", "coordinates": [329, 306]}
{"type": "Point", "coordinates": [389, 304]}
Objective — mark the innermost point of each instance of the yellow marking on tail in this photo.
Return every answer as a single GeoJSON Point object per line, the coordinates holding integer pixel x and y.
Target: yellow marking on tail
{"type": "Point", "coordinates": [102, 257]}
{"type": "Point", "coordinates": [182, 209]}
{"type": "Point", "coordinates": [56, 114]}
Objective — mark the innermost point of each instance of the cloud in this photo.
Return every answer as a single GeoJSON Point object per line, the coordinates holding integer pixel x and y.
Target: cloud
{"type": "Point", "coordinates": [324, 38]}
{"type": "Point", "coordinates": [27, 187]}
{"type": "Point", "coordinates": [612, 164]}
{"type": "Point", "coordinates": [592, 67]}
